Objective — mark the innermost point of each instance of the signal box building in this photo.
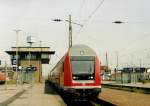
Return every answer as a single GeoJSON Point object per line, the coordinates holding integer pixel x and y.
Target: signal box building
{"type": "Point", "coordinates": [31, 56]}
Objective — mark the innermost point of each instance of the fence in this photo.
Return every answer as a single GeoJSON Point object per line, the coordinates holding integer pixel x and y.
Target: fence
{"type": "Point", "coordinates": [133, 77]}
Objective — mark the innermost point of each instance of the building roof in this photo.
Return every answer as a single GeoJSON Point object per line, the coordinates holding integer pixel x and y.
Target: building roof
{"type": "Point", "coordinates": [31, 49]}
{"type": "Point", "coordinates": [106, 68]}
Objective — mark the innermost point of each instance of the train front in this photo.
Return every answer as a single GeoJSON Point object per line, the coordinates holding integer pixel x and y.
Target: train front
{"type": "Point", "coordinates": [82, 72]}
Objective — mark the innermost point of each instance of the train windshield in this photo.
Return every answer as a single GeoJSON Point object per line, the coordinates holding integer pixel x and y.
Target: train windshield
{"type": "Point", "coordinates": [82, 65]}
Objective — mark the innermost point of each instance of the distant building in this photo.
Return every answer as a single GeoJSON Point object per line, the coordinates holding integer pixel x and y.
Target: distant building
{"type": "Point", "coordinates": [134, 69]}
{"type": "Point", "coordinates": [31, 56]}
{"type": "Point", "coordinates": [105, 72]}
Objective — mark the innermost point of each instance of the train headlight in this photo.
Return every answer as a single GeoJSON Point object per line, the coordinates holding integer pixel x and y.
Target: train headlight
{"type": "Point", "coordinates": [91, 77]}
{"type": "Point", "coordinates": [74, 77]}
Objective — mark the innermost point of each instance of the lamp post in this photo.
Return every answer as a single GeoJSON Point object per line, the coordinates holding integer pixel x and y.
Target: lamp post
{"type": "Point", "coordinates": [70, 28]}
{"type": "Point", "coordinates": [17, 33]}
{"type": "Point", "coordinates": [118, 22]}
{"type": "Point", "coordinates": [70, 32]}
{"type": "Point", "coordinates": [30, 40]}
{"type": "Point", "coordinates": [117, 66]}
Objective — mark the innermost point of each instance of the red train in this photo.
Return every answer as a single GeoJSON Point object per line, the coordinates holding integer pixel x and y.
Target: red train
{"type": "Point", "coordinates": [2, 78]}
{"type": "Point", "coordinates": [77, 73]}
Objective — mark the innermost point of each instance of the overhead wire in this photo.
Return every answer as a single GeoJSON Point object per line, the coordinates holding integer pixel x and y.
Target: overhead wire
{"type": "Point", "coordinates": [91, 15]}
{"type": "Point", "coordinates": [85, 21]}
{"type": "Point", "coordinates": [95, 10]}
{"type": "Point", "coordinates": [81, 7]}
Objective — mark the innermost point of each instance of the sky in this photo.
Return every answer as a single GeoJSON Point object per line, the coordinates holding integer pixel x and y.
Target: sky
{"type": "Point", "coordinates": [130, 40]}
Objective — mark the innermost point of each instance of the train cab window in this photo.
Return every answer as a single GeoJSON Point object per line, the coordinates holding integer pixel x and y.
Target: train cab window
{"type": "Point", "coordinates": [82, 67]}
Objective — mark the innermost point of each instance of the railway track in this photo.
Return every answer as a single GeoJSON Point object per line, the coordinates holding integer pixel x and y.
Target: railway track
{"type": "Point", "coordinates": [69, 102]}
{"type": "Point", "coordinates": [92, 102]}
{"type": "Point", "coordinates": [100, 102]}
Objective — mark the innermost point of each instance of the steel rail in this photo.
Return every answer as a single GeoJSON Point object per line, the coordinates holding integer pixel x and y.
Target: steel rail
{"type": "Point", "coordinates": [100, 102]}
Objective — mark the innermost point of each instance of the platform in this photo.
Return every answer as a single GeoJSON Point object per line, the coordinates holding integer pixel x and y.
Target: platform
{"type": "Point", "coordinates": [10, 92]}
{"type": "Point", "coordinates": [142, 85]}
{"type": "Point", "coordinates": [36, 95]}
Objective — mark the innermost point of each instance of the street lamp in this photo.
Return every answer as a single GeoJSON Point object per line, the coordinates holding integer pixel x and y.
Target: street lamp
{"type": "Point", "coordinates": [70, 28]}
{"type": "Point", "coordinates": [30, 40]}
{"type": "Point", "coordinates": [118, 22]}
{"type": "Point", "coordinates": [17, 33]}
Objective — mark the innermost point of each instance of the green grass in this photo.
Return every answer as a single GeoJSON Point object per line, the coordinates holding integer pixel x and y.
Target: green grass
{"type": "Point", "coordinates": [12, 81]}
{"type": "Point", "coordinates": [147, 81]}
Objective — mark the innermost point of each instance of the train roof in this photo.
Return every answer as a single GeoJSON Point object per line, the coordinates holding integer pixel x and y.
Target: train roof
{"type": "Point", "coordinates": [81, 50]}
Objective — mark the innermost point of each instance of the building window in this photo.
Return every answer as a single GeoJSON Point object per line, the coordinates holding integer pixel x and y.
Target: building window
{"type": "Point", "coordinates": [13, 56]}
{"type": "Point", "coordinates": [27, 56]}
{"type": "Point", "coordinates": [45, 56]}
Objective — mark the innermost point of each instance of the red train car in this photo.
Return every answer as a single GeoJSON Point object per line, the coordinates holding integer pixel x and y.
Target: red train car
{"type": "Point", "coordinates": [2, 78]}
{"type": "Point", "coordinates": [78, 73]}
